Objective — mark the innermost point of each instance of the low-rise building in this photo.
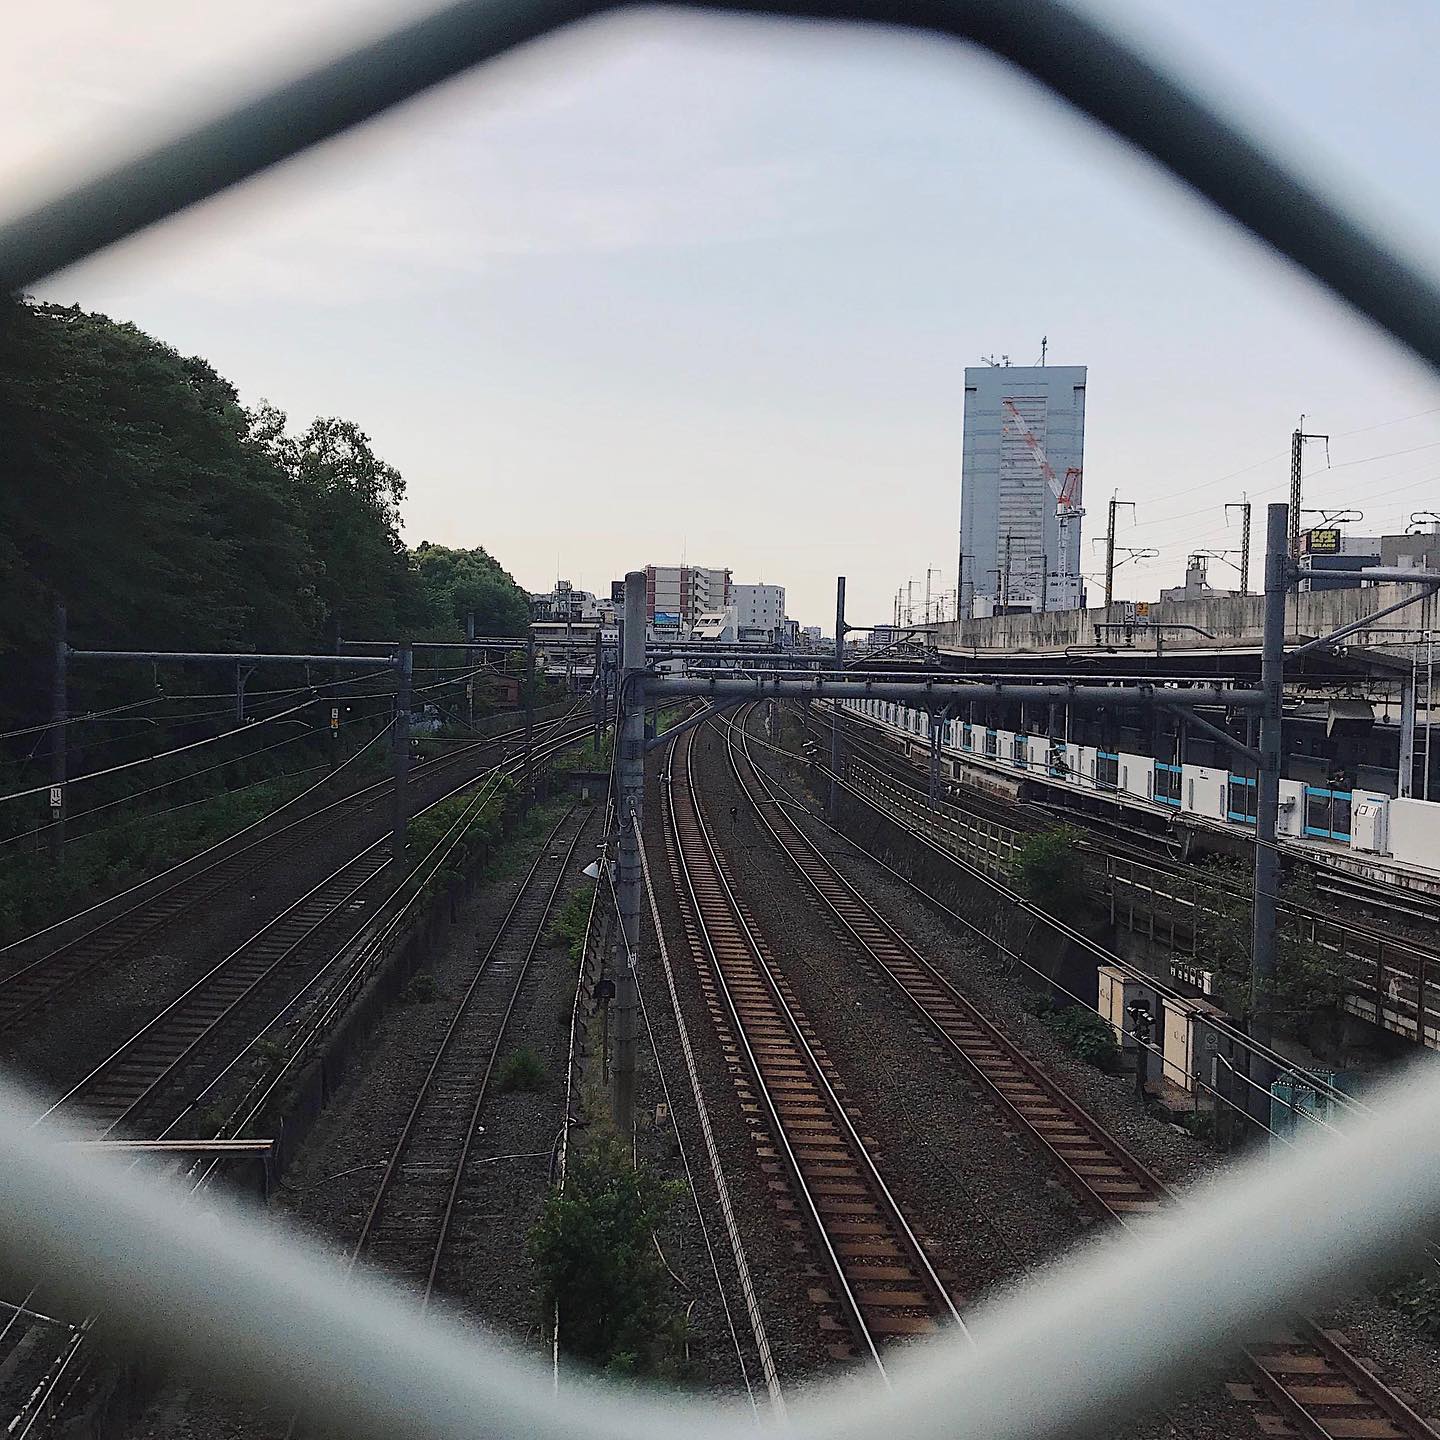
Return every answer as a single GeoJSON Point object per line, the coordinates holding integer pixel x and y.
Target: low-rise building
{"type": "Point", "coordinates": [760, 612]}
{"type": "Point", "coordinates": [685, 590]}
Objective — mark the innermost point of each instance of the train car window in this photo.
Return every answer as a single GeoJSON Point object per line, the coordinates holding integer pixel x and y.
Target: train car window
{"type": "Point", "coordinates": [1340, 815]}
{"type": "Point", "coordinates": [1107, 771]}
{"type": "Point", "coordinates": [1241, 801]}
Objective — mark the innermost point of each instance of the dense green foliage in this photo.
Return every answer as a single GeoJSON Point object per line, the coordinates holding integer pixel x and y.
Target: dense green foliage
{"type": "Point", "coordinates": [522, 1069]}
{"type": "Point", "coordinates": [596, 1255]}
{"type": "Point", "coordinates": [137, 488]}
{"type": "Point", "coordinates": [1085, 1034]}
{"type": "Point", "coordinates": [570, 922]}
{"type": "Point", "coordinates": [34, 891]}
{"type": "Point", "coordinates": [1050, 870]}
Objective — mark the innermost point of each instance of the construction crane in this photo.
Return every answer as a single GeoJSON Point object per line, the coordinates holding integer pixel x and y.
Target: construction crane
{"type": "Point", "coordinates": [1067, 507]}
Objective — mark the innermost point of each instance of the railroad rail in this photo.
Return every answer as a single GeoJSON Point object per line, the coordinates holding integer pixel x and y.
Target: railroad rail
{"type": "Point", "coordinates": [282, 956]}
{"type": "Point", "coordinates": [885, 1285]}
{"type": "Point", "coordinates": [1392, 980]}
{"type": "Point", "coordinates": [168, 1057]}
{"type": "Point", "coordinates": [411, 1216]}
{"type": "Point", "coordinates": [1307, 1377]}
{"type": "Point", "coordinates": [39, 982]}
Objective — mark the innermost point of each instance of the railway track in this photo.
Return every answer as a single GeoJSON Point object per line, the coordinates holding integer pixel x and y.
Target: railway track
{"type": "Point", "coordinates": [1308, 1382]}
{"type": "Point", "coordinates": [883, 1285]}
{"type": "Point", "coordinates": [39, 982]}
{"type": "Point", "coordinates": [171, 1056]}
{"type": "Point", "coordinates": [270, 968]}
{"type": "Point", "coordinates": [418, 1204]}
{"type": "Point", "coordinates": [1392, 969]}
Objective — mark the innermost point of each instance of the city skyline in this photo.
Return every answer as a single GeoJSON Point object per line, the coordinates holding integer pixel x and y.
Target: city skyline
{"type": "Point", "coordinates": [745, 335]}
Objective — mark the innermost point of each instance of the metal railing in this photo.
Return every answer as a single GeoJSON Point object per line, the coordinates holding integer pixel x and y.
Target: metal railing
{"type": "Point", "coordinates": [263, 1317]}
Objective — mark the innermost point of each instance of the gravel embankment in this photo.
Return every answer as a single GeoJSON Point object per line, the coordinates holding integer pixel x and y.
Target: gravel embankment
{"type": "Point", "coordinates": [983, 1194]}
{"type": "Point", "coordinates": [1405, 1358]}
{"type": "Point", "coordinates": [326, 1193]}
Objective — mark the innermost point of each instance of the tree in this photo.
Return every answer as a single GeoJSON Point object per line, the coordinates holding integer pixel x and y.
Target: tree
{"type": "Point", "coordinates": [456, 583]}
{"type": "Point", "coordinates": [595, 1250]}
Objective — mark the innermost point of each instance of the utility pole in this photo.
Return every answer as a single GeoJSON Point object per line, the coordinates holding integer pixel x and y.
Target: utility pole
{"type": "Point", "coordinates": [400, 758]}
{"type": "Point", "coordinates": [1267, 798]}
{"type": "Point", "coordinates": [526, 794]}
{"type": "Point", "coordinates": [1110, 549]}
{"type": "Point", "coordinates": [1243, 506]}
{"type": "Point", "coordinates": [59, 721]}
{"type": "Point", "coordinates": [834, 807]}
{"type": "Point", "coordinates": [631, 775]}
{"type": "Point", "coordinates": [470, 665]}
{"type": "Point", "coordinates": [1044, 582]}
{"type": "Point", "coordinates": [1298, 437]}
{"type": "Point", "coordinates": [597, 690]}
{"type": "Point", "coordinates": [1005, 577]}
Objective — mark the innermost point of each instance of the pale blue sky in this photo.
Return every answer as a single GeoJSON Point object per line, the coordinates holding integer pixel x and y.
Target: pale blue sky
{"type": "Point", "coordinates": [680, 285]}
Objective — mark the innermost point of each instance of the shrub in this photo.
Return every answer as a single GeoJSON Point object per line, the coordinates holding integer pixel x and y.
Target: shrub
{"type": "Point", "coordinates": [423, 988]}
{"type": "Point", "coordinates": [1417, 1297]}
{"type": "Point", "coordinates": [596, 1257]}
{"type": "Point", "coordinates": [568, 924]}
{"type": "Point", "coordinates": [1084, 1034]}
{"type": "Point", "coordinates": [1049, 870]}
{"type": "Point", "coordinates": [520, 1070]}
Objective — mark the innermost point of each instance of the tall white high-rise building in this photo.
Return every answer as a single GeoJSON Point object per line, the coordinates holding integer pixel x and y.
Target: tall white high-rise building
{"type": "Point", "coordinates": [1024, 444]}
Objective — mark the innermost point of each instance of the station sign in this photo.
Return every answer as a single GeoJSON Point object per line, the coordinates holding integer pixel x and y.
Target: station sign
{"type": "Point", "coordinates": [1321, 542]}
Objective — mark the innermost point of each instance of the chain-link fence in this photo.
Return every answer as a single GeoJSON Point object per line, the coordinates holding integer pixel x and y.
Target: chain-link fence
{"type": "Point", "coordinates": [261, 1317]}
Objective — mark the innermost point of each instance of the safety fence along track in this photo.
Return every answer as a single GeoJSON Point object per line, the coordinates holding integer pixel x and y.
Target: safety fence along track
{"type": "Point", "coordinates": [885, 1287]}
{"type": "Point", "coordinates": [419, 1202]}
{"type": "Point", "coordinates": [1308, 1382]}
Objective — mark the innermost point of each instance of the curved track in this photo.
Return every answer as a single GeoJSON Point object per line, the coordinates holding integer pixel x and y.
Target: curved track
{"type": "Point", "coordinates": [1307, 1377]}
{"type": "Point", "coordinates": [885, 1286]}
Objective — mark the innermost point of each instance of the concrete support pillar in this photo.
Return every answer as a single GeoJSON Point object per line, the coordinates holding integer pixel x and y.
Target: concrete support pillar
{"type": "Point", "coordinates": [629, 877]}
{"type": "Point", "coordinates": [1267, 802]}
{"type": "Point", "coordinates": [400, 759]}
{"type": "Point", "coordinates": [59, 724]}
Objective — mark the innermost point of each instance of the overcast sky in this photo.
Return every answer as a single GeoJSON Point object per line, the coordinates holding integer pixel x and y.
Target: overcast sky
{"type": "Point", "coordinates": [673, 287]}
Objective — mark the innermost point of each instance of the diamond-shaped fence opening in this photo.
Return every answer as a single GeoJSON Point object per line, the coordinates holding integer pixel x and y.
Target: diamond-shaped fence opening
{"type": "Point", "coordinates": [265, 1319]}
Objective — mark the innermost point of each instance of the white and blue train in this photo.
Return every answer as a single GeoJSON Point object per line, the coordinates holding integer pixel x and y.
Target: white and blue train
{"type": "Point", "coordinates": [1370, 822]}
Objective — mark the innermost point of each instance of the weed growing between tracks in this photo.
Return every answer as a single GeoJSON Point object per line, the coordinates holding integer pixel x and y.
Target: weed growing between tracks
{"type": "Point", "coordinates": [595, 1253]}
{"type": "Point", "coordinates": [522, 1069]}
{"type": "Point", "coordinates": [570, 921]}
{"type": "Point", "coordinates": [1082, 1032]}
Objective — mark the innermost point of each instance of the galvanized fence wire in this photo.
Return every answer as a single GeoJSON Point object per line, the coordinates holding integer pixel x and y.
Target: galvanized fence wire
{"type": "Point", "coordinates": [259, 1315]}
{"type": "Point", "coordinates": [267, 1319]}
